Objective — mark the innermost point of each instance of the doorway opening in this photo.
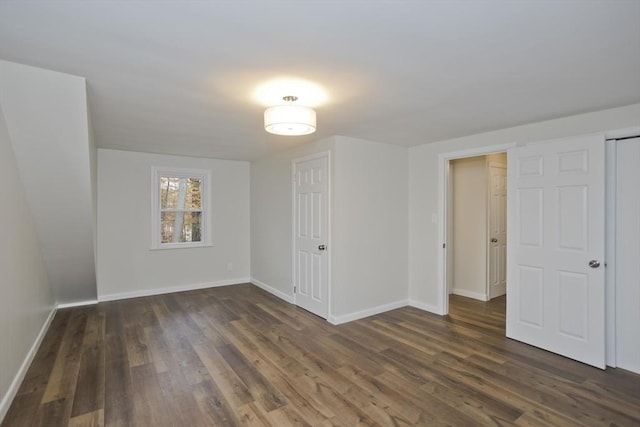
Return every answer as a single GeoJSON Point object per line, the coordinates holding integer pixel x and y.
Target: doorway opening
{"type": "Point", "coordinates": [477, 232]}
{"type": "Point", "coordinates": [472, 261]}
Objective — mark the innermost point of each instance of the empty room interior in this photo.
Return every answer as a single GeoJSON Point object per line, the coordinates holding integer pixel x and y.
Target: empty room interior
{"type": "Point", "coordinates": [320, 213]}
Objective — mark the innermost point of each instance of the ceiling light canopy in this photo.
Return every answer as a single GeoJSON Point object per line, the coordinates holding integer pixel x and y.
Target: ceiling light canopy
{"type": "Point", "coordinates": [308, 93]}
{"type": "Point", "coordinates": [290, 118]}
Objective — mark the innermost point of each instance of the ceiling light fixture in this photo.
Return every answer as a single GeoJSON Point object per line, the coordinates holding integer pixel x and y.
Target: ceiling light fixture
{"type": "Point", "coordinates": [290, 118]}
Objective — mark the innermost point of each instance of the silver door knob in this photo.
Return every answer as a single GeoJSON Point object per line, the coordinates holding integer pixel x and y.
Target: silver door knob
{"type": "Point", "coordinates": [594, 263]}
{"type": "Point", "coordinates": [322, 247]}
{"type": "Point", "coordinates": [494, 240]}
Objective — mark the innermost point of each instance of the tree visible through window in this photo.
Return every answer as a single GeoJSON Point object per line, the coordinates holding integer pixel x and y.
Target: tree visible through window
{"type": "Point", "coordinates": [179, 208]}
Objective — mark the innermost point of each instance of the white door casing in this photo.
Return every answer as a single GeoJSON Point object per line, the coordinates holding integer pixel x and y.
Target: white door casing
{"type": "Point", "coordinates": [555, 228]}
{"type": "Point", "coordinates": [497, 231]}
{"type": "Point", "coordinates": [311, 233]}
{"type": "Point", "coordinates": [444, 217]}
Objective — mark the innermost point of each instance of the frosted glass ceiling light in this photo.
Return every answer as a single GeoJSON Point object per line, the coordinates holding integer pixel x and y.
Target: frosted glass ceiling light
{"type": "Point", "coordinates": [290, 119]}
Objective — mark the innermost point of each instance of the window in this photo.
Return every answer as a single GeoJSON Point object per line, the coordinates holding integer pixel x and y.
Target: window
{"type": "Point", "coordinates": [179, 208]}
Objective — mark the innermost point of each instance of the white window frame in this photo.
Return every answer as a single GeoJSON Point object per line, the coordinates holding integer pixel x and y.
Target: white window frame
{"type": "Point", "coordinates": [205, 176]}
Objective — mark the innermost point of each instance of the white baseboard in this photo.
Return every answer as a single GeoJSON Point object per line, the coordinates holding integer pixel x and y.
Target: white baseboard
{"type": "Point", "coordinates": [76, 304]}
{"type": "Point", "coordinates": [7, 399]}
{"type": "Point", "coordinates": [272, 290]}
{"type": "Point", "coordinates": [338, 320]}
{"type": "Point", "coordinates": [469, 294]}
{"type": "Point", "coordinates": [426, 307]}
{"type": "Point", "coordinates": [171, 289]}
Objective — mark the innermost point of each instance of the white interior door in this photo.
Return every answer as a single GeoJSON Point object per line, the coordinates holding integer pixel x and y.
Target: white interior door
{"type": "Point", "coordinates": [311, 222]}
{"type": "Point", "coordinates": [497, 230]}
{"type": "Point", "coordinates": [555, 232]}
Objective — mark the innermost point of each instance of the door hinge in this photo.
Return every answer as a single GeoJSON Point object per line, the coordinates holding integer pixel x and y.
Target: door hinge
{"type": "Point", "coordinates": [294, 289]}
{"type": "Point", "coordinates": [444, 245]}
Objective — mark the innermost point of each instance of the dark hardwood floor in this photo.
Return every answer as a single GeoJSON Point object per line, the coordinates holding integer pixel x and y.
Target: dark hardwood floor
{"type": "Point", "coordinates": [236, 355]}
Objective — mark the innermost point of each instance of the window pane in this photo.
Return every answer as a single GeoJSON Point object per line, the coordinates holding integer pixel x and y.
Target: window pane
{"type": "Point", "coordinates": [166, 226]}
{"type": "Point", "coordinates": [194, 194]}
{"type": "Point", "coordinates": [191, 231]}
{"type": "Point", "coordinates": [180, 193]}
{"type": "Point", "coordinates": [169, 191]}
{"type": "Point", "coordinates": [179, 227]}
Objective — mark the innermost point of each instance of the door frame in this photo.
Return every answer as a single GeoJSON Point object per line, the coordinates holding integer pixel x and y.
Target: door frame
{"type": "Point", "coordinates": [444, 215]}
{"type": "Point", "coordinates": [294, 163]}
{"type": "Point", "coordinates": [610, 241]}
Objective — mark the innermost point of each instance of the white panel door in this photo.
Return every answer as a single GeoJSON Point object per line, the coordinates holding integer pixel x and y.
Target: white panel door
{"type": "Point", "coordinates": [497, 231]}
{"type": "Point", "coordinates": [555, 232]}
{"type": "Point", "coordinates": [311, 222]}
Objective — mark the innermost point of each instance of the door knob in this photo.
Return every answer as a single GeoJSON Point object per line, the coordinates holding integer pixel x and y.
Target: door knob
{"type": "Point", "coordinates": [594, 263]}
{"type": "Point", "coordinates": [494, 240]}
{"type": "Point", "coordinates": [322, 247]}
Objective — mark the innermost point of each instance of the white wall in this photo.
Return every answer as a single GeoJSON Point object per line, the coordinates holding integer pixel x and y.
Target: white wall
{"type": "Point", "coordinates": [26, 299]}
{"type": "Point", "coordinates": [93, 167]}
{"type": "Point", "coordinates": [126, 265]}
{"type": "Point", "coordinates": [424, 243]}
{"type": "Point", "coordinates": [469, 245]}
{"type": "Point", "coordinates": [627, 255]}
{"type": "Point", "coordinates": [369, 225]}
{"type": "Point", "coordinates": [47, 119]}
{"type": "Point", "coordinates": [271, 217]}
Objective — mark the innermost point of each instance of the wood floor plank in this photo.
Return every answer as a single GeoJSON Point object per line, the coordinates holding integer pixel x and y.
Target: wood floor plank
{"type": "Point", "coordinates": [118, 406]}
{"type": "Point", "coordinates": [287, 417]}
{"type": "Point", "coordinates": [253, 416]}
{"type": "Point", "coordinates": [137, 349]}
{"type": "Point", "coordinates": [89, 393]}
{"type": "Point", "coordinates": [381, 396]}
{"type": "Point", "coordinates": [52, 413]}
{"type": "Point", "coordinates": [563, 388]}
{"type": "Point", "coordinates": [158, 349]}
{"type": "Point", "coordinates": [213, 407]}
{"type": "Point", "coordinates": [90, 419]}
{"type": "Point", "coordinates": [37, 379]}
{"type": "Point", "coordinates": [300, 398]}
{"type": "Point", "coordinates": [233, 389]}
{"type": "Point", "coordinates": [238, 356]}
{"type": "Point", "coordinates": [474, 406]}
{"type": "Point", "coordinates": [322, 395]}
{"type": "Point", "coordinates": [24, 407]}
{"type": "Point", "coordinates": [556, 396]}
{"type": "Point", "coordinates": [259, 388]}
{"type": "Point", "coordinates": [148, 403]}
{"type": "Point", "coordinates": [179, 400]}
{"type": "Point", "coordinates": [179, 337]}
{"type": "Point", "coordinates": [61, 384]}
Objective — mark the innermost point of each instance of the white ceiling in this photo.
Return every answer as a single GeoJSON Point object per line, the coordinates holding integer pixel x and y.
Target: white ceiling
{"type": "Point", "coordinates": [177, 77]}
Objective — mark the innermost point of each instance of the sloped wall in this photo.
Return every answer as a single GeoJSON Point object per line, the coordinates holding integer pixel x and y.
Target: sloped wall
{"type": "Point", "coordinates": [26, 300]}
{"type": "Point", "coordinates": [47, 121]}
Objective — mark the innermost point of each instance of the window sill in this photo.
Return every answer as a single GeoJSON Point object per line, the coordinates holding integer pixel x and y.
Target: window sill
{"type": "Point", "coordinates": [181, 246]}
